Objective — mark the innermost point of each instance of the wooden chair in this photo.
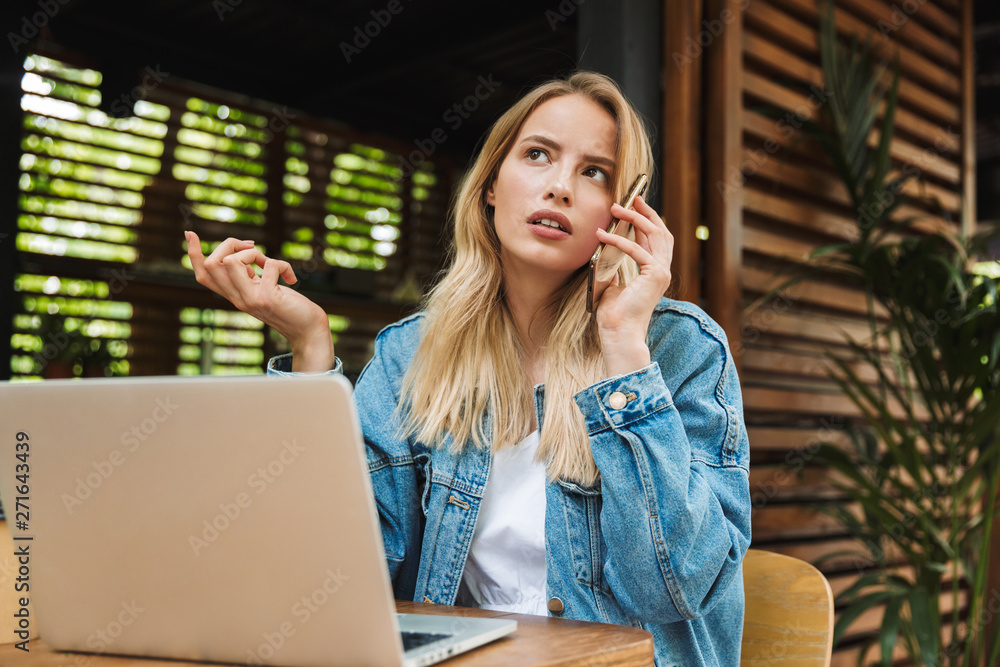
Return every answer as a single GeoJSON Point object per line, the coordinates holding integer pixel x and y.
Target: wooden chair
{"type": "Point", "coordinates": [789, 612]}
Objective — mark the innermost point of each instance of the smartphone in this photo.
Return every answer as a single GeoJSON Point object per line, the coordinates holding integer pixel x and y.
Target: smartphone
{"type": "Point", "coordinates": [605, 260]}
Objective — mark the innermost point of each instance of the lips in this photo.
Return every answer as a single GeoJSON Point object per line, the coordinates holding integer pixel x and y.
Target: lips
{"type": "Point", "coordinates": [551, 219]}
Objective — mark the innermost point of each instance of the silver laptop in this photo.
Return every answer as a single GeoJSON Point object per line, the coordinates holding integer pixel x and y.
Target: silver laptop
{"type": "Point", "coordinates": [217, 519]}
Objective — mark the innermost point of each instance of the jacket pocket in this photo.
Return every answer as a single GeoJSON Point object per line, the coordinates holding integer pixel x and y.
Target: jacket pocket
{"type": "Point", "coordinates": [570, 487]}
{"type": "Point", "coordinates": [580, 528]}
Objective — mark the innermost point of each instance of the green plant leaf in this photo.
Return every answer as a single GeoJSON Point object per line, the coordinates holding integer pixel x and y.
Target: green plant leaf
{"type": "Point", "coordinates": [875, 188]}
{"type": "Point", "coordinates": [889, 632]}
{"type": "Point", "coordinates": [858, 607]}
{"type": "Point", "coordinates": [926, 624]}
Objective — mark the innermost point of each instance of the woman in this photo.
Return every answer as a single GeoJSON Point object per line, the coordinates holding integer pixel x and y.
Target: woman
{"type": "Point", "coordinates": [525, 455]}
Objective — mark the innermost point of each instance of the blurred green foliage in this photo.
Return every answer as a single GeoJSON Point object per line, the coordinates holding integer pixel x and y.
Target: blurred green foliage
{"type": "Point", "coordinates": [83, 182]}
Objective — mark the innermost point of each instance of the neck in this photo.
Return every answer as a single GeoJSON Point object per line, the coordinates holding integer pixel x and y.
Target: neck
{"type": "Point", "coordinates": [527, 297]}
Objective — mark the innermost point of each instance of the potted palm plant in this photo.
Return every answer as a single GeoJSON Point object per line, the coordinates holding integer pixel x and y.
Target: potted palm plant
{"type": "Point", "coordinates": [924, 464]}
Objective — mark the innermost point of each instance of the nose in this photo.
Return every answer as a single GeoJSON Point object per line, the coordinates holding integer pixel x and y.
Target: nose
{"type": "Point", "coordinates": [558, 191]}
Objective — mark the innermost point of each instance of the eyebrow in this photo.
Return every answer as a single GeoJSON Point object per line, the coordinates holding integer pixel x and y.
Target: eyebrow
{"type": "Point", "coordinates": [545, 141]}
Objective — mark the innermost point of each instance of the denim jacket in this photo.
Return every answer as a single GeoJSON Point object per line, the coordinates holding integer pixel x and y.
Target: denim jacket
{"type": "Point", "coordinates": [659, 541]}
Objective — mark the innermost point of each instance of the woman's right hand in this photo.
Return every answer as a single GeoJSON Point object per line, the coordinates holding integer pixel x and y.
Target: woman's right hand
{"type": "Point", "coordinates": [229, 271]}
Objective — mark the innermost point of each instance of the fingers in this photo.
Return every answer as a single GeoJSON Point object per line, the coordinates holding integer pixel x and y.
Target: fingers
{"type": "Point", "coordinates": [647, 223]}
{"type": "Point", "coordinates": [631, 248]}
{"type": "Point", "coordinates": [653, 247]}
{"type": "Point", "coordinates": [196, 256]}
{"type": "Point", "coordinates": [277, 267]}
{"type": "Point", "coordinates": [209, 271]}
{"type": "Point", "coordinates": [239, 267]}
{"type": "Point", "coordinates": [661, 241]}
{"type": "Point", "coordinates": [245, 259]}
{"type": "Point", "coordinates": [650, 231]}
{"type": "Point", "coordinates": [229, 269]}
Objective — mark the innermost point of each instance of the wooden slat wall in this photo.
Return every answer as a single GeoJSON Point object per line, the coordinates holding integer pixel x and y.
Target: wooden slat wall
{"type": "Point", "coordinates": [159, 288]}
{"type": "Point", "coordinates": [769, 198]}
{"type": "Point", "coordinates": [363, 296]}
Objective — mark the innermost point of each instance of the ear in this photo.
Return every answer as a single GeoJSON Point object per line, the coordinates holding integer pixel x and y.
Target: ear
{"type": "Point", "coordinates": [491, 198]}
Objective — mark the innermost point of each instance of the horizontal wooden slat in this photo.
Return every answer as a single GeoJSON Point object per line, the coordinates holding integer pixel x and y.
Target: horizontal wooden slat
{"type": "Point", "coordinates": [947, 23]}
{"type": "Point", "coordinates": [754, 378]}
{"type": "Point", "coordinates": [797, 441]}
{"type": "Point", "coordinates": [847, 23]}
{"type": "Point", "coordinates": [812, 551]}
{"type": "Point", "coordinates": [911, 96]}
{"type": "Point", "coordinates": [799, 251]}
{"type": "Point", "coordinates": [86, 121]}
{"type": "Point", "coordinates": [89, 163]}
{"type": "Point", "coordinates": [768, 130]}
{"type": "Point", "coordinates": [793, 521]}
{"type": "Point", "coordinates": [819, 185]}
{"type": "Point", "coordinates": [778, 320]}
{"type": "Point", "coordinates": [791, 480]}
{"type": "Point", "coordinates": [809, 292]}
{"type": "Point", "coordinates": [316, 207]}
{"type": "Point", "coordinates": [765, 399]}
{"type": "Point", "coordinates": [777, 246]}
{"type": "Point", "coordinates": [833, 405]}
{"type": "Point", "coordinates": [799, 347]}
{"type": "Point", "coordinates": [782, 363]}
{"type": "Point", "coordinates": [895, 22]}
{"type": "Point", "coordinates": [851, 555]}
{"type": "Point", "coordinates": [764, 16]}
{"type": "Point", "coordinates": [799, 215]}
{"type": "Point", "coordinates": [931, 162]}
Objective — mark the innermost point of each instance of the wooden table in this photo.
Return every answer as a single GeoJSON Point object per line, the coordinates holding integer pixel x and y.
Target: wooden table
{"type": "Point", "coordinates": [542, 640]}
{"type": "Point", "coordinates": [538, 642]}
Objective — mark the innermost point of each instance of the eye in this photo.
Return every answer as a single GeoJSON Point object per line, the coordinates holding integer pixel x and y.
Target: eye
{"type": "Point", "coordinates": [536, 154]}
{"type": "Point", "coordinates": [597, 174]}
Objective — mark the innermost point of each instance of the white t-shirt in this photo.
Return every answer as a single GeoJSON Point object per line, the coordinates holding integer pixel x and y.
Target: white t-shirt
{"type": "Point", "coordinates": [505, 570]}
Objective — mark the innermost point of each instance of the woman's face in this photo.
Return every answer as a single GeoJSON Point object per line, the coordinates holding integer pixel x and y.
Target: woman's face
{"type": "Point", "coordinates": [554, 187]}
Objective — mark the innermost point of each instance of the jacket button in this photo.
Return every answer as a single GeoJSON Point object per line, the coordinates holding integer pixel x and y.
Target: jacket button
{"type": "Point", "coordinates": [617, 400]}
{"type": "Point", "coordinates": [556, 605]}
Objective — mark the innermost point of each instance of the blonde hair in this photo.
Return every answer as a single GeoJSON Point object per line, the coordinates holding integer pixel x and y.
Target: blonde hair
{"type": "Point", "coordinates": [469, 363]}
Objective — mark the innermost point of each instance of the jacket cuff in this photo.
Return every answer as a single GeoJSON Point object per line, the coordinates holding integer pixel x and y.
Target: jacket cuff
{"type": "Point", "coordinates": [282, 365]}
{"type": "Point", "coordinates": [623, 399]}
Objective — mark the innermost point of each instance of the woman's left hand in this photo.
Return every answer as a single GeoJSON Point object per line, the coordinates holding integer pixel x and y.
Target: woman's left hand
{"type": "Point", "coordinates": [623, 313]}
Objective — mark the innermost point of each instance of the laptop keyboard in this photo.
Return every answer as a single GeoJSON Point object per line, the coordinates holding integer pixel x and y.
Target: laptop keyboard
{"type": "Point", "coordinates": [412, 640]}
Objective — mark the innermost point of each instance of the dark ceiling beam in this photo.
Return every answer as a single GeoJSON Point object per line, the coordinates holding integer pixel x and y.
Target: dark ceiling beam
{"type": "Point", "coordinates": [623, 40]}
{"type": "Point", "coordinates": [425, 59]}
